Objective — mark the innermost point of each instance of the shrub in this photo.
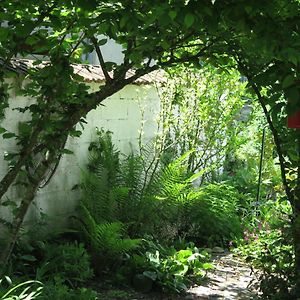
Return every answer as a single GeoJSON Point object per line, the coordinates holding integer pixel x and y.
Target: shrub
{"type": "Point", "coordinates": [268, 245]}
{"type": "Point", "coordinates": [166, 267]}
{"type": "Point", "coordinates": [211, 215]}
{"type": "Point", "coordinates": [59, 291]}
{"type": "Point", "coordinates": [102, 192]}
{"type": "Point", "coordinates": [69, 261]}
{"type": "Point", "coordinates": [160, 201]}
{"type": "Point", "coordinates": [270, 251]}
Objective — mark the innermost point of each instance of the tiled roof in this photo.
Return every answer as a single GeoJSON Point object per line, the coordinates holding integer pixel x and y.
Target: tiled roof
{"type": "Point", "coordinates": [89, 73]}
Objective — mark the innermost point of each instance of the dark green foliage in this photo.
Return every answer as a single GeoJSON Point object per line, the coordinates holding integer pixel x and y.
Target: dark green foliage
{"type": "Point", "coordinates": [163, 202]}
{"type": "Point", "coordinates": [59, 291]}
{"type": "Point", "coordinates": [271, 251]}
{"type": "Point", "coordinates": [267, 244]}
{"type": "Point", "coordinates": [106, 239]}
{"type": "Point", "coordinates": [70, 262]}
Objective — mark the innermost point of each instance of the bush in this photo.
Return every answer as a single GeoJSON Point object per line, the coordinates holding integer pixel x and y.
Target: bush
{"type": "Point", "coordinates": [167, 268]}
{"type": "Point", "coordinates": [59, 291]}
{"type": "Point", "coordinates": [268, 245]}
{"type": "Point", "coordinates": [211, 215]}
{"type": "Point", "coordinates": [160, 201]}
{"type": "Point", "coordinates": [69, 261]}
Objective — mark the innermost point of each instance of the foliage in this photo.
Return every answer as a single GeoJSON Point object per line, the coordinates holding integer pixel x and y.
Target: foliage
{"type": "Point", "coordinates": [165, 267]}
{"type": "Point", "coordinates": [175, 271]}
{"type": "Point", "coordinates": [212, 215]}
{"type": "Point", "coordinates": [272, 252]}
{"type": "Point", "coordinates": [69, 261]}
{"type": "Point", "coordinates": [28, 290]}
{"type": "Point", "coordinates": [247, 36]}
{"type": "Point", "coordinates": [241, 167]}
{"type": "Point", "coordinates": [200, 110]}
{"type": "Point", "coordinates": [58, 290]}
{"type": "Point", "coordinates": [268, 245]}
{"type": "Point", "coordinates": [103, 231]}
{"type": "Point", "coordinates": [163, 202]}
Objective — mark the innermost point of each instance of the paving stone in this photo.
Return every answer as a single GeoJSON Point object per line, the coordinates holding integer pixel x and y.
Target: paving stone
{"type": "Point", "coordinates": [229, 280]}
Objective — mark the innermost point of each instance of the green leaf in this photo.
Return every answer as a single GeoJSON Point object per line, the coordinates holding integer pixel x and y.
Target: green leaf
{"type": "Point", "coordinates": [288, 81]}
{"type": "Point", "coordinates": [30, 258]}
{"type": "Point", "coordinates": [102, 42]}
{"type": "Point", "coordinates": [189, 20]}
{"type": "Point", "coordinates": [292, 94]}
{"type": "Point", "coordinates": [3, 33]}
{"type": "Point", "coordinates": [66, 151]}
{"type": "Point", "coordinates": [24, 129]}
{"type": "Point", "coordinates": [2, 130]}
{"type": "Point", "coordinates": [172, 14]}
{"type": "Point", "coordinates": [8, 135]}
{"type": "Point", "coordinates": [110, 65]}
{"type": "Point", "coordinates": [76, 133]}
{"type": "Point", "coordinates": [151, 275]}
{"type": "Point", "coordinates": [207, 266]}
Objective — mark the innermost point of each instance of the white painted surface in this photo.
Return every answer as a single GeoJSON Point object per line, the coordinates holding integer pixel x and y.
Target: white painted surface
{"type": "Point", "coordinates": [121, 114]}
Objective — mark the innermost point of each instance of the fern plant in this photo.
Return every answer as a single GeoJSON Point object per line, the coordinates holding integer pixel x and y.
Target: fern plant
{"type": "Point", "coordinates": [102, 192]}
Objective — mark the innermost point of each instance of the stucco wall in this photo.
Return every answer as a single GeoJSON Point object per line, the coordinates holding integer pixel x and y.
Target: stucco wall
{"type": "Point", "coordinates": [121, 114]}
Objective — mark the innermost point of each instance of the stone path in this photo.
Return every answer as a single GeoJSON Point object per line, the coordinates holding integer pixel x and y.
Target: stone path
{"type": "Point", "coordinates": [231, 279]}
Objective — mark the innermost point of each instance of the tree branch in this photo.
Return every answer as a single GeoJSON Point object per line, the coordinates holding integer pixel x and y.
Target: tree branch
{"type": "Point", "coordinates": [274, 131]}
{"type": "Point", "coordinates": [101, 59]}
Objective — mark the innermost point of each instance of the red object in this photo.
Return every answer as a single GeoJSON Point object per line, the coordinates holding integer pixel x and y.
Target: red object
{"type": "Point", "coordinates": [294, 120]}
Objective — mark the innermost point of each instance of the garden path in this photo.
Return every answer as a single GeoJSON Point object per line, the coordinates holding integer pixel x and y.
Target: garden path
{"type": "Point", "coordinates": [231, 279]}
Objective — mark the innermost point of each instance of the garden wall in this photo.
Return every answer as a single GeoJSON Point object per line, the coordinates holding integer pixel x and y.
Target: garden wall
{"type": "Point", "coordinates": [122, 114]}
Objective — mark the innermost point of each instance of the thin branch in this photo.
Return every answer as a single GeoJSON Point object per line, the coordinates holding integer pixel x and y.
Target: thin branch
{"type": "Point", "coordinates": [77, 44]}
{"type": "Point", "coordinates": [173, 60]}
{"type": "Point", "coordinates": [101, 59]}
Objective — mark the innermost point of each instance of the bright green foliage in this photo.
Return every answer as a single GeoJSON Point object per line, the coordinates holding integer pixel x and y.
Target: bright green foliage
{"type": "Point", "coordinates": [200, 110]}
{"type": "Point", "coordinates": [28, 290]}
{"type": "Point", "coordinates": [212, 215]}
{"type": "Point", "coordinates": [176, 270]}
{"type": "Point", "coordinates": [241, 167]}
{"type": "Point", "coordinates": [70, 262]}
{"type": "Point", "coordinates": [171, 269]}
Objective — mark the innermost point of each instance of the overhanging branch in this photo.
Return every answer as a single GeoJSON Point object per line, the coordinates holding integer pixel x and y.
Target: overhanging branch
{"type": "Point", "coordinates": [274, 131]}
{"type": "Point", "coordinates": [101, 59]}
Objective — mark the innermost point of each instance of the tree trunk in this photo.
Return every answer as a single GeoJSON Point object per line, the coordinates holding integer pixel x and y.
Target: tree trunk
{"type": "Point", "coordinates": [72, 117]}
{"type": "Point", "coordinates": [23, 208]}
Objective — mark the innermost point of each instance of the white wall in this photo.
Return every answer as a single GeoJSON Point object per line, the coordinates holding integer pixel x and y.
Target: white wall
{"type": "Point", "coordinates": [121, 115]}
